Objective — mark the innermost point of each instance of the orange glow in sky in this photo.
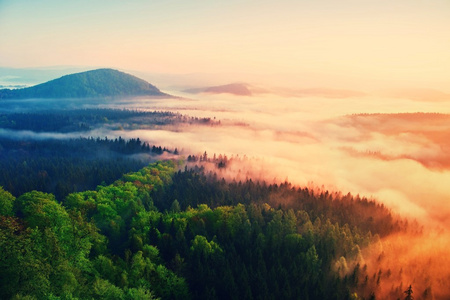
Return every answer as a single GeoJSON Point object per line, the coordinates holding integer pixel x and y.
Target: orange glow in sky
{"type": "Point", "coordinates": [377, 43]}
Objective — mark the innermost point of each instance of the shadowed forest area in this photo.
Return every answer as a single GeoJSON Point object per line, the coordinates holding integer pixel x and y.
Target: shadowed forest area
{"type": "Point", "coordinates": [65, 166]}
{"type": "Point", "coordinates": [119, 218]}
{"type": "Point", "coordinates": [54, 151]}
{"type": "Point", "coordinates": [171, 233]}
{"type": "Point", "coordinates": [84, 120]}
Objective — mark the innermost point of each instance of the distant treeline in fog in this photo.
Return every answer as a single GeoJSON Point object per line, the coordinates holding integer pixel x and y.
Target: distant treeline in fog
{"type": "Point", "coordinates": [64, 121]}
{"type": "Point", "coordinates": [65, 166]}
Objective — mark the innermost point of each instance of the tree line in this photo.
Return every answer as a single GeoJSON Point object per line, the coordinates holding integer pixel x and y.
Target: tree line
{"type": "Point", "coordinates": [66, 166]}
{"type": "Point", "coordinates": [79, 120]}
{"type": "Point", "coordinates": [173, 233]}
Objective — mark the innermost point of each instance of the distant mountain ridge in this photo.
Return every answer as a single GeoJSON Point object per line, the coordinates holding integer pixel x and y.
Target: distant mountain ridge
{"type": "Point", "coordinates": [239, 89]}
{"type": "Point", "coordinates": [244, 89]}
{"type": "Point", "coordinates": [100, 83]}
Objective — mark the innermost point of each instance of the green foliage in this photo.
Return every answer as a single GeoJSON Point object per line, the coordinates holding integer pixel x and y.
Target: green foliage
{"type": "Point", "coordinates": [175, 207]}
{"type": "Point", "coordinates": [103, 289]}
{"type": "Point", "coordinates": [65, 166]}
{"type": "Point", "coordinates": [21, 270]}
{"type": "Point", "coordinates": [138, 294]}
{"type": "Point", "coordinates": [6, 203]}
{"type": "Point", "coordinates": [41, 210]}
{"type": "Point", "coordinates": [201, 246]}
{"type": "Point", "coordinates": [113, 243]}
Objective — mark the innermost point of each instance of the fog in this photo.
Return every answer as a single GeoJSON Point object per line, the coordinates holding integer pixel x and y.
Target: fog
{"type": "Point", "coordinates": [367, 144]}
{"type": "Point", "coordinates": [338, 143]}
{"type": "Point", "coordinates": [394, 149]}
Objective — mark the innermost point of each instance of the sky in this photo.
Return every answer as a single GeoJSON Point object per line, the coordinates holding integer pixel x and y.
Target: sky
{"type": "Point", "coordinates": [367, 43]}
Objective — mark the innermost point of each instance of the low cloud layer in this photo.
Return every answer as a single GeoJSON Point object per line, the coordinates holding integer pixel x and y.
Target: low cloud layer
{"type": "Point", "coordinates": [377, 147]}
{"type": "Point", "coordinates": [401, 260]}
{"type": "Point", "coordinates": [380, 148]}
{"type": "Point", "coordinates": [396, 156]}
{"type": "Point", "coordinates": [425, 95]}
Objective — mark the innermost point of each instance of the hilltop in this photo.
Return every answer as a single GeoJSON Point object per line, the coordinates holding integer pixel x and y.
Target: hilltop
{"type": "Point", "coordinates": [98, 83]}
{"type": "Point", "coordinates": [238, 89]}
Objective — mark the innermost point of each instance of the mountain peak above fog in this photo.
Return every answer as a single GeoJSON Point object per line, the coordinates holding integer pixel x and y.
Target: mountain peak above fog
{"type": "Point", "coordinates": [99, 83]}
{"type": "Point", "coordinates": [244, 89]}
{"type": "Point", "coordinates": [240, 89]}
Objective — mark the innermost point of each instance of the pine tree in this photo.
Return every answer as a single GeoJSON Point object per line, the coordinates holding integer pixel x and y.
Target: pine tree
{"type": "Point", "coordinates": [409, 293]}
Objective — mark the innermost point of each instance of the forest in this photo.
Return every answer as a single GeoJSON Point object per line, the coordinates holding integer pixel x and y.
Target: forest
{"type": "Point", "coordinates": [83, 120]}
{"type": "Point", "coordinates": [69, 165]}
{"type": "Point", "coordinates": [98, 83]}
{"type": "Point", "coordinates": [58, 163]}
{"type": "Point", "coordinates": [85, 217]}
{"type": "Point", "coordinates": [170, 232]}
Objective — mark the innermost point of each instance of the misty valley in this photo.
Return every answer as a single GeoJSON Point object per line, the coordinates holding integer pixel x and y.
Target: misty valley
{"type": "Point", "coordinates": [112, 189]}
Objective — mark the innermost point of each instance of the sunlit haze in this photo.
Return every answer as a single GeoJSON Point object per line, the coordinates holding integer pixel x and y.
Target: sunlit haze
{"type": "Point", "coordinates": [303, 43]}
{"type": "Point", "coordinates": [347, 96]}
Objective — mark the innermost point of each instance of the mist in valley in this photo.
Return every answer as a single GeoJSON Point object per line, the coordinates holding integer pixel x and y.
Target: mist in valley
{"type": "Point", "coordinates": [390, 149]}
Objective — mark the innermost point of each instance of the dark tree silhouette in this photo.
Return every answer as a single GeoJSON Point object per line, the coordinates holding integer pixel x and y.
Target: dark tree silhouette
{"type": "Point", "coordinates": [409, 293]}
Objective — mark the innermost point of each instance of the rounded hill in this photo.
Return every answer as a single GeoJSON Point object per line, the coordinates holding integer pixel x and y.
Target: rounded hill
{"type": "Point", "coordinates": [98, 83]}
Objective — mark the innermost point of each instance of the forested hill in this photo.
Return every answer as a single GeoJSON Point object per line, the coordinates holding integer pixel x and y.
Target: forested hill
{"type": "Point", "coordinates": [91, 84]}
{"type": "Point", "coordinates": [168, 234]}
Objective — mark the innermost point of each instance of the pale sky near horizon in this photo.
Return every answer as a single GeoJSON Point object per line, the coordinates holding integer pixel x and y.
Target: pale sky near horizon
{"type": "Point", "coordinates": [405, 41]}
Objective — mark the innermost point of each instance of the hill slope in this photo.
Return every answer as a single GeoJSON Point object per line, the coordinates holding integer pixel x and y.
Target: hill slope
{"type": "Point", "coordinates": [239, 89]}
{"type": "Point", "coordinates": [91, 84]}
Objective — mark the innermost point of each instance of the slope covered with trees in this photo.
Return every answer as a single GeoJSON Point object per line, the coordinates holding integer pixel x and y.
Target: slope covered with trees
{"type": "Point", "coordinates": [66, 166]}
{"type": "Point", "coordinates": [173, 234]}
{"type": "Point", "coordinates": [91, 84]}
{"type": "Point", "coordinates": [82, 120]}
